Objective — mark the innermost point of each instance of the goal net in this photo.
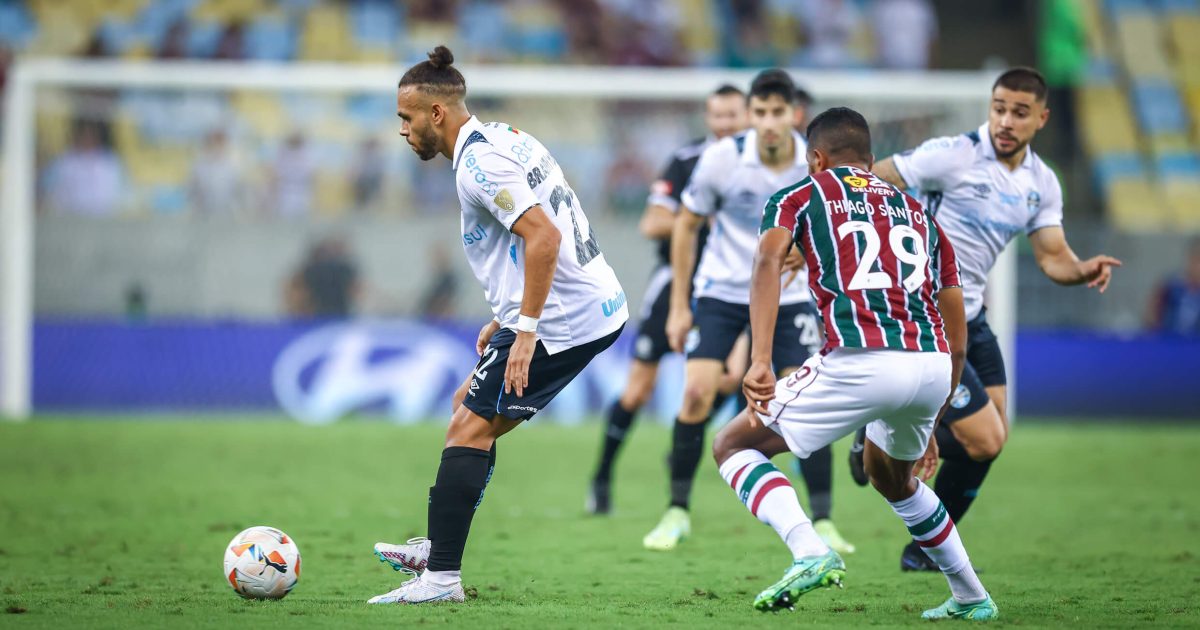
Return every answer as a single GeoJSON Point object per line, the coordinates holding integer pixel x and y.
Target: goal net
{"type": "Point", "coordinates": [254, 238]}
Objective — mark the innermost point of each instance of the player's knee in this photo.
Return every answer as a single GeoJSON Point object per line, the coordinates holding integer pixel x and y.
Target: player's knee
{"type": "Point", "coordinates": [985, 448]}
{"type": "Point", "coordinates": [723, 446]}
{"type": "Point", "coordinates": [696, 401]}
{"type": "Point", "coordinates": [469, 429]}
{"type": "Point", "coordinates": [636, 394]}
{"type": "Point", "coordinates": [736, 437]}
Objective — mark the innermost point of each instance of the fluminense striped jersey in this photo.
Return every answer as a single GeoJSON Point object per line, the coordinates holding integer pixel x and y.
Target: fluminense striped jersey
{"type": "Point", "coordinates": [876, 259]}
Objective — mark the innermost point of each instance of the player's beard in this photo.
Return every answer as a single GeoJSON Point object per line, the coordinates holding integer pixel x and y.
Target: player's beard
{"type": "Point", "coordinates": [1018, 146]}
{"type": "Point", "coordinates": [425, 145]}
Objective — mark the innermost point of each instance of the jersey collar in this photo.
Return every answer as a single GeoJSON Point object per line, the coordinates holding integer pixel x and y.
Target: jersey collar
{"type": "Point", "coordinates": [472, 124]}
{"type": "Point", "coordinates": [989, 151]}
{"type": "Point", "coordinates": [750, 150]}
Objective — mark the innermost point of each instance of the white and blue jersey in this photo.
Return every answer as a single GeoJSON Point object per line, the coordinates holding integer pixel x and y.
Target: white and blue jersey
{"type": "Point", "coordinates": [501, 173]}
{"type": "Point", "coordinates": [732, 185]}
{"type": "Point", "coordinates": [979, 203]}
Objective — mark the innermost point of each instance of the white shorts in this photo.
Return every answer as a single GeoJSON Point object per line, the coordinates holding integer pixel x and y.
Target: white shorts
{"type": "Point", "coordinates": [896, 393]}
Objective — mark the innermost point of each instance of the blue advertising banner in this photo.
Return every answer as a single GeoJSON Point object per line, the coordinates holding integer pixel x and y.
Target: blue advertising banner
{"type": "Point", "coordinates": [408, 370]}
{"type": "Point", "coordinates": [315, 372]}
{"type": "Point", "coordinates": [1094, 375]}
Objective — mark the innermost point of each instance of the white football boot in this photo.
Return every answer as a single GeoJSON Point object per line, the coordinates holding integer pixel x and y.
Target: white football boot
{"type": "Point", "coordinates": [418, 591]}
{"type": "Point", "coordinates": [410, 557]}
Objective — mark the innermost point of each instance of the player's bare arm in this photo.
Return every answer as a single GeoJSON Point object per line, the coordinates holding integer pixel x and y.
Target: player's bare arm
{"type": "Point", "coordinates": [954, 322]}
{"type": "Point", "coordinates": [542, 240]}
{"type": "Point", "coordinates": [759, 383]}
{"type": "Point", "coordinates": [485, 335]}
{"type": "Point", "coordinates": [1058, 261]}
{"type": "Point", "coordinates": [886, 170]}
{"type": "Point", "coordinates": [683, 260]}
{"type": "Point", "coordinates": [657, 222]}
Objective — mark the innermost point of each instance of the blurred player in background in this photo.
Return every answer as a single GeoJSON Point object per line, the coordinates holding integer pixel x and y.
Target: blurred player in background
{"type": "Point", "coordinates": [887, 284]}
{"type": "Point", "coordinates": [804, 102]}
{"type": "Point", "coordinates": [1175, 305]}
{"type": "Point", "coordinates": [557, 304]}
{"type": "Point", "coordinates": [724, 115]}
{"type": "Point", "coordinates": [985, 187]}
{"type": "Point", "coordinates": [732, 181]}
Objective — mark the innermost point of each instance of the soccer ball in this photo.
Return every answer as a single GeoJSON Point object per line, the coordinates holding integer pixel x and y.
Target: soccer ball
{"type": "Point", "coordinates": [262, 563]}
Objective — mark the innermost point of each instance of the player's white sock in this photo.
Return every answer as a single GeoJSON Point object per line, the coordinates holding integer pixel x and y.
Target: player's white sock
{"type": "Point", "coordinates": [770, 496]}
{"type": "Point", "coordinates": [933, 530]}
{"type": "Point", "coordinates": [444, 579]}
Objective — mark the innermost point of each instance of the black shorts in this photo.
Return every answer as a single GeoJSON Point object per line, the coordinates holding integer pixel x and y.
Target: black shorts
{"type": "Point", "coordinates": [718, 324]}
{"type": "Point", "coordinates": [651, 344]}
{"type": "Point", "coordinates": [548, 375]}
{"type": "Point", "coordinates": [984, 368]}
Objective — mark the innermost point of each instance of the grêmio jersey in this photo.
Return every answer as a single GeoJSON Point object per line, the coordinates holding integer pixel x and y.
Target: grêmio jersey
{"type": "Point", "coordinates": [731, 185]}
{"type": "Point", "coordinates": [876, 259]}
{"type": "Point", "coordinates": [501, 173]}
{"type": "Point", "coordinates": [979, 202]}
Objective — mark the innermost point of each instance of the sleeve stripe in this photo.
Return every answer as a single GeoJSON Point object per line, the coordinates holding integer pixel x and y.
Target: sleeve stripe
{"type": "Point", "coordinates": [795, 201]}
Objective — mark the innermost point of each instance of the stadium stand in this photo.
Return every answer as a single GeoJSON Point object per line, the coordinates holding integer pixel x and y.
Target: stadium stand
{"type": "Point", "coordinates": [1139, 110]}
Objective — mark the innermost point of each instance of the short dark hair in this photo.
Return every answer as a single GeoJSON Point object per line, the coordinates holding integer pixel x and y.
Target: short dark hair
{"type": "Point", "coordinates": [803, 98]}
{"type": "Point", "coordinates": [1023, 79]}
{"type": "Point", "coordinates": [773, 81]}
{"type": "Point", "coordinates": [728, 89]}
{"type": "Point", "coordinates": [437, 74]}
{"type": "Point", "coordinates": [841, 131]}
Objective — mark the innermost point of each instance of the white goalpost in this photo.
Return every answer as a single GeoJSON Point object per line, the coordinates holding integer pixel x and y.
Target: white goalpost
{"type": "Point", "coordinates": [960, 96]}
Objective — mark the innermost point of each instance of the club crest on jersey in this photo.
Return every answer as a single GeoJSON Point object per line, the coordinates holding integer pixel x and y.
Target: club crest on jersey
{"type": "Point", "coordinates": [504, 201]}
{"type": "Point", "coordinates": [644, 347]}
{"type": "Point", "coordinates": [961, 398]}
{"type": "Point", "coordinates": [1033, 202]}
{"type": "Point", "coordinates": [856, 181]}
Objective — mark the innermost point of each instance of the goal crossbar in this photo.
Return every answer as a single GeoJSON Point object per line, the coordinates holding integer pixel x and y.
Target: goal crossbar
{"type": "Point", "coordinates": [600, 83]}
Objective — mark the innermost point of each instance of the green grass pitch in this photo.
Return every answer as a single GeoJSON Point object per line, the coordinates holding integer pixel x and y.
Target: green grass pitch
{"type": "Point", "coordinates": [123, 523]}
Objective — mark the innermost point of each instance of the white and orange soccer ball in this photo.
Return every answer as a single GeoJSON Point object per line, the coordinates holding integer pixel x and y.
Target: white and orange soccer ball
{"type": "Point", "coordinates": [262, 563]}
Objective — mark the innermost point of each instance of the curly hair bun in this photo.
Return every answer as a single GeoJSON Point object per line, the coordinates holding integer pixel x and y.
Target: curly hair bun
{"type": "Point", "coordinates": [441, 57]}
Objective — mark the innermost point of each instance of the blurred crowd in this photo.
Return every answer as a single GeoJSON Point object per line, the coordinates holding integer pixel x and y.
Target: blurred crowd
{"type": "Point", "coordinates": [824, 33]}
{"type": "Point", "coordinates": [105, 152]}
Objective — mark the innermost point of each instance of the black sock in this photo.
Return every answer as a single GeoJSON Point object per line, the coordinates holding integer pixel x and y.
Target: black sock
{"type": "Point", "coordinates": [959, 478]}
{"type": "Point", "coordinates": [687, 444]}
{"type": "Point", "coordinates": [615, 429]}
{"type": "Point", "coordinates": [818, 479]}
{"type": "Point", "coordinates": [491, 464]}
{"type": "Point", "coordinates": [455, 495]}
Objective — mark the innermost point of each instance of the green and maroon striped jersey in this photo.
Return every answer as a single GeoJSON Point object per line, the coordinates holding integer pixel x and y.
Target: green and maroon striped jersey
{"type": "Point", "coordinates": [876, 258]}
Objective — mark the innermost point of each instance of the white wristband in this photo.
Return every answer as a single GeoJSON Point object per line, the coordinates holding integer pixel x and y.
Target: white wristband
{"type": "Point", "coordinates": [527, 324]}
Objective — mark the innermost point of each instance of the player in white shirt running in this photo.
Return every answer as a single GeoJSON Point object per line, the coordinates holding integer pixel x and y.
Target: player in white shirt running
{"type": "Point", "coordinates": [731, 184]}
{"type": "Point", "coordinates": [557, 304]}
{"type": "Point", "coordinates": [985, 187]}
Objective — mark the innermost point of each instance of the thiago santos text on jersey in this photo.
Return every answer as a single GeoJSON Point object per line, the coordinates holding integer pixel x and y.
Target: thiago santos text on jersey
{"type": "Point", "coordinates": [876, 259]}
{"type": "Point", "coordinates": [501, 173]}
